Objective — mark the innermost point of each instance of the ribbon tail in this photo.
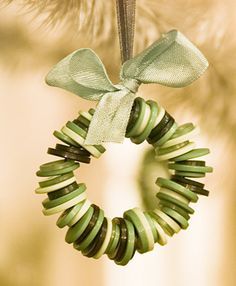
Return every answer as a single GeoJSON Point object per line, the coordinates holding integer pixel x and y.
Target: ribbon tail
{"type": "Point", "coordinates": [111, 118]}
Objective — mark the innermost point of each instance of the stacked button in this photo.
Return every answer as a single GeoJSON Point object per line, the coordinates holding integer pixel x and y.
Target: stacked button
{"type": "Point", "coordinates": [89, 230]}
{"type": "Point", "coordinates": [150, 122]}
{"type": "Point", "coordinates": [77, 154]}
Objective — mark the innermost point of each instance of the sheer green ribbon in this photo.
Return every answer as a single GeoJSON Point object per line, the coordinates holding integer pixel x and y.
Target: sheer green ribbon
{"type": "Point", "coordinates": [171, 61]}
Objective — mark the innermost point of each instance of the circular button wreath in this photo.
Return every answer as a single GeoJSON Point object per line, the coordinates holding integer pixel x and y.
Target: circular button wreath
{"type": "Point", "coordinates": [90, 230]}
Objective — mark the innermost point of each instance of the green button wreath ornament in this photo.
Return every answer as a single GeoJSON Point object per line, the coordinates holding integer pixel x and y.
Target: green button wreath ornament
{"type": "Point", "coordinates": [171, 61]}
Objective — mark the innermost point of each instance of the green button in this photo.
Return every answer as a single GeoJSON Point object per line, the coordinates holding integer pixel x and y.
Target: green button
{"type": "Point", "coordinates": [106, 241]}
{"type": "Point", "coordinates": [161, 216]}
{"type": "Point", "coordinates": [166, 135]}
{"type": "Point", "coordinates": [68, 215]}
{"type": "Point", "coordinates": [83, 134]}
{"type": "Point", "coordinates": [150, 124]}
{"type": "Point", "coordinates": [122, 241]}
{"type": "Point", "coordinates": [56, 165]}
{"type": "Point", "coordinates": [58, 172]}
{"type": "Point", "coordinates": [54, 181]}
{"type": "Point", "coordinates": [76, 230]}
{"type": "Point", "coordinates": [188, 147]}
{"type": "Point", "coordinates": [55, 202]}
{"type": "Point", "coordinates": [63, 191]}
{"type": "Point", "coordinates": [75, 150]}
{"type": "Point", "coordinates": [69, 155]}
{"type": "Point", "coordinates": [68, 204]}
{"type": "Point", "coordinates": [55, 187]}
{"type": "Point", "coordinates": [188, 168]}
{"type": "Point", "coordinates": [90, 237]}
{"type": "Point", "coordinates": [130, 245]}
{"type": "Point", "coordinates": [190, 174]}
{"type": "Point", "coordinates": [182, 205]}
{"type": "Point", "coordinates": [64, 138]}
{"type": "Point", "coordinates": [96, 244]}
{"type": "Point", "coordinates": [145, 240]}
{"type": "Point", "coordinates": [166, 183]}
{"type": "Point", "coordinates": [134, 114]}
{"type": "Point", "coordinates": [112, 246]}
{"type": "Point", "coordinates": [176, 216]}
{"type": "Point", "coordinates": [167, 229]}
{"type": "Point", "coordinates": [174, 207]}
{"type": "Point", "coordinates": [138, 122]}
{"type": "Point", "coordinates": [192, 154]}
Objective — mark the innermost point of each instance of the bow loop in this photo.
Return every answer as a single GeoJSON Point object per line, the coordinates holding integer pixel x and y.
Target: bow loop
{"type": "Point", "coordinates": [171, 61]}
{"type": "Point", "coordinates": [82, 73]}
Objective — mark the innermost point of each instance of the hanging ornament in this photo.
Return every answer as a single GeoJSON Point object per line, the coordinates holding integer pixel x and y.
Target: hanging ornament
{"type": "Point", "coordinates": [171, 61]}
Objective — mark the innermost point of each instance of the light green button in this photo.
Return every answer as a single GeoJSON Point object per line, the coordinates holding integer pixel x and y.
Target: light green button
{"type": "Point", "coordinates": [192, 154]}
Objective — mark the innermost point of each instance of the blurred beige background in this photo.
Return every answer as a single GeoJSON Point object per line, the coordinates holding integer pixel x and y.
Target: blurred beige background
{"type": "Point", "coordinates": [33, 251]}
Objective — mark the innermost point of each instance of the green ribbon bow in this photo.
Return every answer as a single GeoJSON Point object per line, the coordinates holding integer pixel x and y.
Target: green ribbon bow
{"type": "Point", "coordinates": [171, 61]}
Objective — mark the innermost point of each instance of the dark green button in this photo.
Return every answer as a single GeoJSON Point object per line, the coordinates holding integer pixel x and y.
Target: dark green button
{"type": "Point", "coordinates": [90, 225]}
{"type": "Point", "coordinates": [133, 115]}
{"type": "Point", "coordinates": [63, 191]}
{"type": "Point", "coordinates": [94, 247]}
{"type": "Point", "coordinates": [76, 150]}
{"type": "Point", "coordinates": [139, 120]}
{"type": "Point", "coordinates": [123, 239]}
{"type": "Point", "coordinates": [192, 163]}
{"type": "Point", "coordinates": [155, 131]}
{"type": "Point", "coordinates": [62, 199]}
{"type": "Point", "coordinates": [90, 236]}
{"type": "Point", "coordinates": [163, 131]}
{"type": "Point", "coordinates": [80, 124]}
{"type": "Point", "coordinates": [68, 155]}
{"type": "Point", "coordinates": [192, 185]}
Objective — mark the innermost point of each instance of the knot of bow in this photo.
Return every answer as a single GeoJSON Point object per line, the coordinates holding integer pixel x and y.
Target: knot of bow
{"type": "Point", "coordinates": [171, 61]}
